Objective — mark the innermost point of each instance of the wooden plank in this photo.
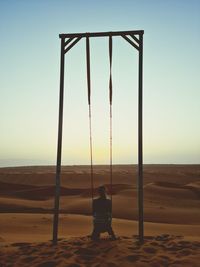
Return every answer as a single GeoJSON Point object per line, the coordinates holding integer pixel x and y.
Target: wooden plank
{"type": "Point", "coordinates": [72, 44]}
{"type": "Point", "coordinates": [130, 42]}
{"type": "Point", "coordinates": [140, 143]}
{"type": "Point", "coordinates": [59, 146]}
{"type": "Point", "coordinates": [100, 34]}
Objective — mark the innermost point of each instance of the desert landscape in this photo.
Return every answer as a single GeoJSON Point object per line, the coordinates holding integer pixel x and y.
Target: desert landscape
{"type": "Point", "coordinates": [171, 213]}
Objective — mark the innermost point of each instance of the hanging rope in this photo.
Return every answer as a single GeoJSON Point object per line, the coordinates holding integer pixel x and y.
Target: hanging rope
{"type": "Point", "coordinates": [110, 98]}
{"type": "Point", "coordinates": [110, 58]}
{"type": "Point", "coordinates": [90, 113]}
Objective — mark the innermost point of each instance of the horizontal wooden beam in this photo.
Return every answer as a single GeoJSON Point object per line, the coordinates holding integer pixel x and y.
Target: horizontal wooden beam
{"type": "Point", "coordinates": [100, 34]}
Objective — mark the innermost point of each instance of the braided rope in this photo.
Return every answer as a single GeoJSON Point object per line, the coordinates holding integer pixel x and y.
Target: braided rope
{"type": "Point", "coordinates": [90, 113]}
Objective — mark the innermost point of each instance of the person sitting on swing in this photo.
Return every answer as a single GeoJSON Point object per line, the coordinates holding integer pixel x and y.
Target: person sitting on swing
{"type": "Point", "coordinates": [102, 215]}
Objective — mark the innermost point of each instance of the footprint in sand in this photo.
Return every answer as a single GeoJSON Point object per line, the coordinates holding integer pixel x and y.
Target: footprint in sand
{"type": "Point", "coordinates": [184, 252]}
{"type": "Point", "coordinates": [106, 250]}
{"type": "Point", "coordinates": [30, 258]}
{"type": "Point", "coordinates": [150, 250]}
{"type": "Point", "coordinates": [86, 251]}
{"type": "Point", "coordinates": [164, 257]}
{"type": "Point", "coordinates": [73, 265]}
{"type": "Point", "coordinates": [48, 264]}
{"type": "Point", "coordinates": [185, 244]}
{"type": "Point", "coordinates": [77, 243]}
{"type": "Point", "coordinates": [111, 264]}
{"type": "Point", "coordinates": [46, 253]}
{"type": "Point", "coordinates": [132, 258]}
{"type": "Point", "coordinates": [67, 255]}
{"type": "Point", "coordinates": [86, 254]}
{"type": "Point", "coordinates": [34, 250]}
{"type": "Point", "coordinates": [20, 244]}
{"type": "Point", "coordinates": [177, 262]}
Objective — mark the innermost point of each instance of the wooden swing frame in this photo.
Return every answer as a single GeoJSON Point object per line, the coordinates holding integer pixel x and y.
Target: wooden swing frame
{"type": "Point", "coordinates": [135, 38]}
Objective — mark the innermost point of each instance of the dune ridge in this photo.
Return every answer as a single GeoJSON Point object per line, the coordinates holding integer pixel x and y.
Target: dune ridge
{"type": "Point", "coordinates": [171, 214]}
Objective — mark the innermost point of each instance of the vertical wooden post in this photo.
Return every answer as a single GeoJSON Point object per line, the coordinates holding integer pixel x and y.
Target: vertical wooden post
{"type": "Point", "coordinates": [140, 143]}
{"type": "Point", "coordinates": [59, 144]}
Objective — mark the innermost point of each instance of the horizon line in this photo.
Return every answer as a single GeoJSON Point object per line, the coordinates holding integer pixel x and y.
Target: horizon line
{"type": "Point", "coordinates": [88, 165]}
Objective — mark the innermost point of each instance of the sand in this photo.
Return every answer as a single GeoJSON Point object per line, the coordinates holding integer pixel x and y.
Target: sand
{"type": "Point", "coordinates": [171, 209]}
{"type": "Point", "coordinates": [164, 250]}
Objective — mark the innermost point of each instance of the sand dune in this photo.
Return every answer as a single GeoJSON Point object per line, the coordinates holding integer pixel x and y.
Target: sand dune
{"type": "Point", "coordinates": [164, 202]}
{"type": "Point", "coordinates": [172, 190]}
{"type": "Point", "coordinates": [38, 227]}
{"type": "Point", "coordinates": [36, 192]}
{"type": "Point", "coordinates": [171, 210]}
{"type": "Point", "coordinates": [45, 175]}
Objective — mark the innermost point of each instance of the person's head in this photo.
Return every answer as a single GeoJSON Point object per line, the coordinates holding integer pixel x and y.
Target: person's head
{"type": "Point", "coordinates": [102, 191]}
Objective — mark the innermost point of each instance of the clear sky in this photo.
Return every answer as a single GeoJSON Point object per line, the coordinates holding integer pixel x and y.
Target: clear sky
{"type": "Point", "coordinates": [29, 81]}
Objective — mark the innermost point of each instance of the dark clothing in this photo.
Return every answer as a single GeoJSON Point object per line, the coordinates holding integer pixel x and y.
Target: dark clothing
{"type": "Point", "coordinates": [102, 214]}
{"type": "Point", "coordinates": [101, 205]}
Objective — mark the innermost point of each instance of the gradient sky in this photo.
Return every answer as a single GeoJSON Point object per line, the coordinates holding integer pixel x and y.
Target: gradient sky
{"type": "Point", "coordinates": [29, 83]}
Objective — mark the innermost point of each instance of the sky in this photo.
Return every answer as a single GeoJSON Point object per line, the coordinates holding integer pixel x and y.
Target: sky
{"type": "Point", "coordinates": [29, 81]}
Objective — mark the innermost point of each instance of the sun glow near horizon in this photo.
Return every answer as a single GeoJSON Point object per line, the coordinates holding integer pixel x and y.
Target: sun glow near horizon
{"type": "Point", "coordinates": [29, 85]}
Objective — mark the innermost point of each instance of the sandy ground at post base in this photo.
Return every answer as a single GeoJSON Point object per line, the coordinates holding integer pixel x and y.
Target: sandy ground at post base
{"type": "Point", "coordinates": [171, 213]}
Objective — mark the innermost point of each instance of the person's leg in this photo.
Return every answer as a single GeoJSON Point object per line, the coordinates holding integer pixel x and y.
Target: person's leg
{"type": "Point", "coordinates": [111, 232]}
{"type": "Point", "coordinates": [95, 234]}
